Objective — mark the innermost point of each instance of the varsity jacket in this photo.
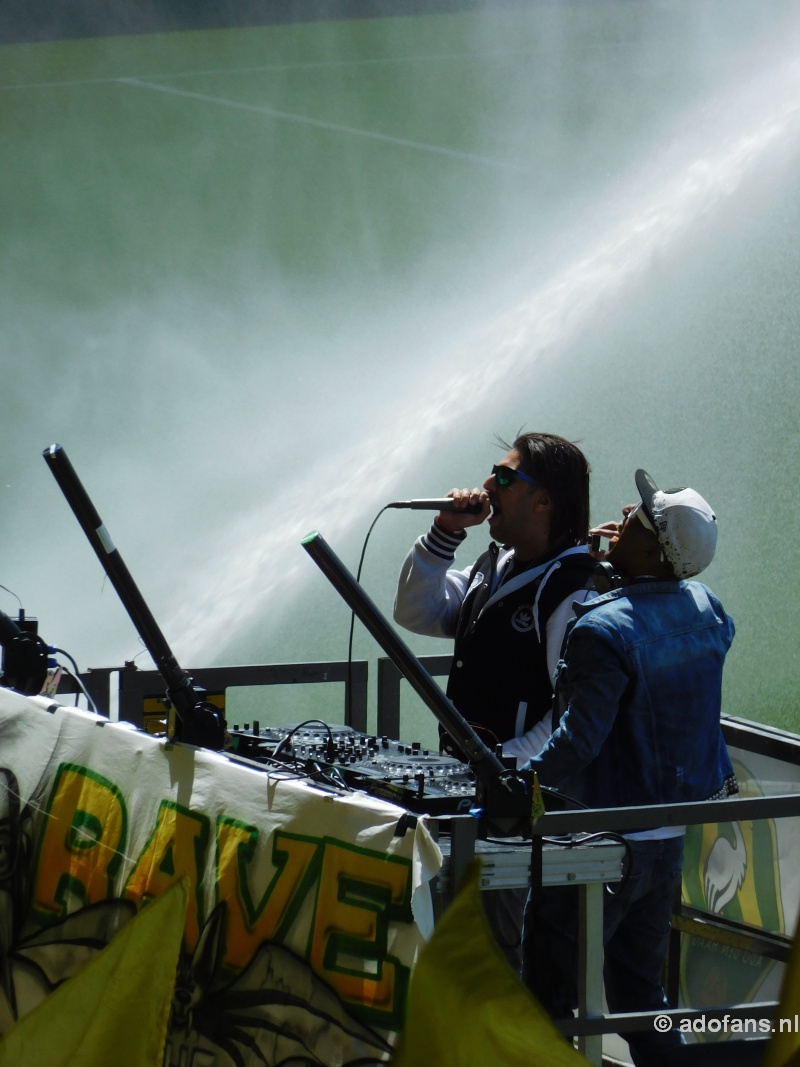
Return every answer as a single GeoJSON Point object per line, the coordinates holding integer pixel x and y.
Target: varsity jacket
{"type": "Point", "coordinates": [507, 630]}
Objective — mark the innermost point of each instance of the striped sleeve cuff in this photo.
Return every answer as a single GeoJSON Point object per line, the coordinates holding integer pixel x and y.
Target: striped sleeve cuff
{"type": "Point", "coordinates": [441, 542]}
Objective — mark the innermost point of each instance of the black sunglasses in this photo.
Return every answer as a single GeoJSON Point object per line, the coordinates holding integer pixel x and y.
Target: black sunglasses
{"type": "Point", "coordinates": [505, 476]}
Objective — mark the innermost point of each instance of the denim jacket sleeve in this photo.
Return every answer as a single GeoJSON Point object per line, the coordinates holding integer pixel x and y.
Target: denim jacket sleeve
{"type": "Point", "coordinates": [588, 694]}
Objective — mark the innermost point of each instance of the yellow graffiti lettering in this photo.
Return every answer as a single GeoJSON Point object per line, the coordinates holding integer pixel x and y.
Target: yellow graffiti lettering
{"type": "Point", "coordinates": [177, 845]}
{"type": "Point", "coordinates": [249, 921]}
{"type": "Point", "coordinates": [81, 846]}
{"type": "Point", "coordinates": [359, 894]}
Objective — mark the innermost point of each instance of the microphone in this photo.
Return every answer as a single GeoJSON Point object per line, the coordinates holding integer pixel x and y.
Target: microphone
{"type": "Point", "coordinates": [445, 503]}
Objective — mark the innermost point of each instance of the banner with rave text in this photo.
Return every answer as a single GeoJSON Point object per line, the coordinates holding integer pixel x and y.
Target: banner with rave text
{"type": "Point", "coordinates": [306, 909]}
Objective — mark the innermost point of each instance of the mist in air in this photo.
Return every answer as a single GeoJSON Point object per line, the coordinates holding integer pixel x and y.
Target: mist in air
{"type": "Point", "coordinates": [263, 282]}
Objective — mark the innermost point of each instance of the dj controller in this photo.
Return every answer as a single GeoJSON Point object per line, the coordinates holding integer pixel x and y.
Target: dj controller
{"type": "Point", "coordinates": [414, 778]}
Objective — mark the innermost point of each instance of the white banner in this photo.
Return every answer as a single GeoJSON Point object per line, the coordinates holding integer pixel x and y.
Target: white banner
{"type": "Point", "coordinates": [307, 909]}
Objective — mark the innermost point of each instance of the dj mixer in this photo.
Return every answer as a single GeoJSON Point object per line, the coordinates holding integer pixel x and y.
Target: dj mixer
{"type": "Point", "coordinates": [406, 774]}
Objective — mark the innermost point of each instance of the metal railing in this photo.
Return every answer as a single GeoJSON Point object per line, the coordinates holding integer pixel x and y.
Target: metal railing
{"type": "Point", "coordinates": [590, 1026]}
{"type": "Point", "coordinates": [139, 695]}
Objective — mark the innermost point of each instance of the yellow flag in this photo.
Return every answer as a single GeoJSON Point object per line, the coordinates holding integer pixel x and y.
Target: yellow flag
{"type": "Point", "coordinates": [783, 1049]}
{"type": "Point", "coordinates": [467, 1008]}
{"type": "Point", "coordinates": [537, 800]}
{"type": "Point", "coordinates": [116, 1010]}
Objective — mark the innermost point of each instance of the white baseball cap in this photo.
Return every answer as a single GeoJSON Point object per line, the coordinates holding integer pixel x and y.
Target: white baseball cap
{"type": "Point", "coordinates": [684, 523]}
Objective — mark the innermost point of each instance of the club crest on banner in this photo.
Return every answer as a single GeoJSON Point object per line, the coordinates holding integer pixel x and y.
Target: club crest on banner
{"type": "Point", "coordinates": [730, 870]}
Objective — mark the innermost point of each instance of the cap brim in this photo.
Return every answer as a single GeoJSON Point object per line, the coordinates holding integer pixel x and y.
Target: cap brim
{"type": "Point", "coordinates": [647, 490]}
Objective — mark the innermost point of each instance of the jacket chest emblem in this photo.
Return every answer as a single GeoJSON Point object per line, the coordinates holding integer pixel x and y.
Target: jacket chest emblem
{"type": "Point", "coordinates": [522, 619]}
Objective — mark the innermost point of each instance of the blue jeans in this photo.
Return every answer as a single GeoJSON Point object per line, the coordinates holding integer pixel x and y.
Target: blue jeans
{"type": "Point", "coordinates": [636, 928]}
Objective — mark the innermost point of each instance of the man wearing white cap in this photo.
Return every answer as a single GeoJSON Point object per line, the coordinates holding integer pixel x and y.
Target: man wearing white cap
{"type": "Point", "coordinates": [638, 699]}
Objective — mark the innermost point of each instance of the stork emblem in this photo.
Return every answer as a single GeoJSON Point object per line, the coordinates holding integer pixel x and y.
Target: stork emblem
{"type": "Point", "coordinates": [732, 870]}
{"type": "Point", "coordinates": [725, 868]}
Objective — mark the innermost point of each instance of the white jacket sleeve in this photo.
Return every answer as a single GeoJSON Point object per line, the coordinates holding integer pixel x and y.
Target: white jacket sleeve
{"type": "Point", "coordinates": [531, 743]}
{"type": "Point", "coordinates": [557, 625]}
{"type": "Point", "coordinates": [429, 594]}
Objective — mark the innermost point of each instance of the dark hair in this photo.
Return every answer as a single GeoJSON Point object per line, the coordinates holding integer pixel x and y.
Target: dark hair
{"type": "Point", "coordinates": [563, 470]}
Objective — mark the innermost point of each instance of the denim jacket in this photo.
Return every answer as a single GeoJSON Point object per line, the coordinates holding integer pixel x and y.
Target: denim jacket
{"type": "Point", "coordinates": [638, 693]}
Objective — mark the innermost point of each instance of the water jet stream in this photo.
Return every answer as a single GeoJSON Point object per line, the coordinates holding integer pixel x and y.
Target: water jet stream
{"type": "Point", "coordinates": [244, 581]}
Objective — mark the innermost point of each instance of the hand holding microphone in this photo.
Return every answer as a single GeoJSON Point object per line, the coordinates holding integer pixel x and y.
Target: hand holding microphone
{"type": "Point", "coordinates": [458, 510]}
{"type": "Point", "coordinates": [607, 530]}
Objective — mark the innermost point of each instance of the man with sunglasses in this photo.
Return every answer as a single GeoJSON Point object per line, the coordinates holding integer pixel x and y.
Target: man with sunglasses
{"type": "Point", "coordinates": [638, 695]}
{"type": "Point", "coordinates": [507, 612]}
